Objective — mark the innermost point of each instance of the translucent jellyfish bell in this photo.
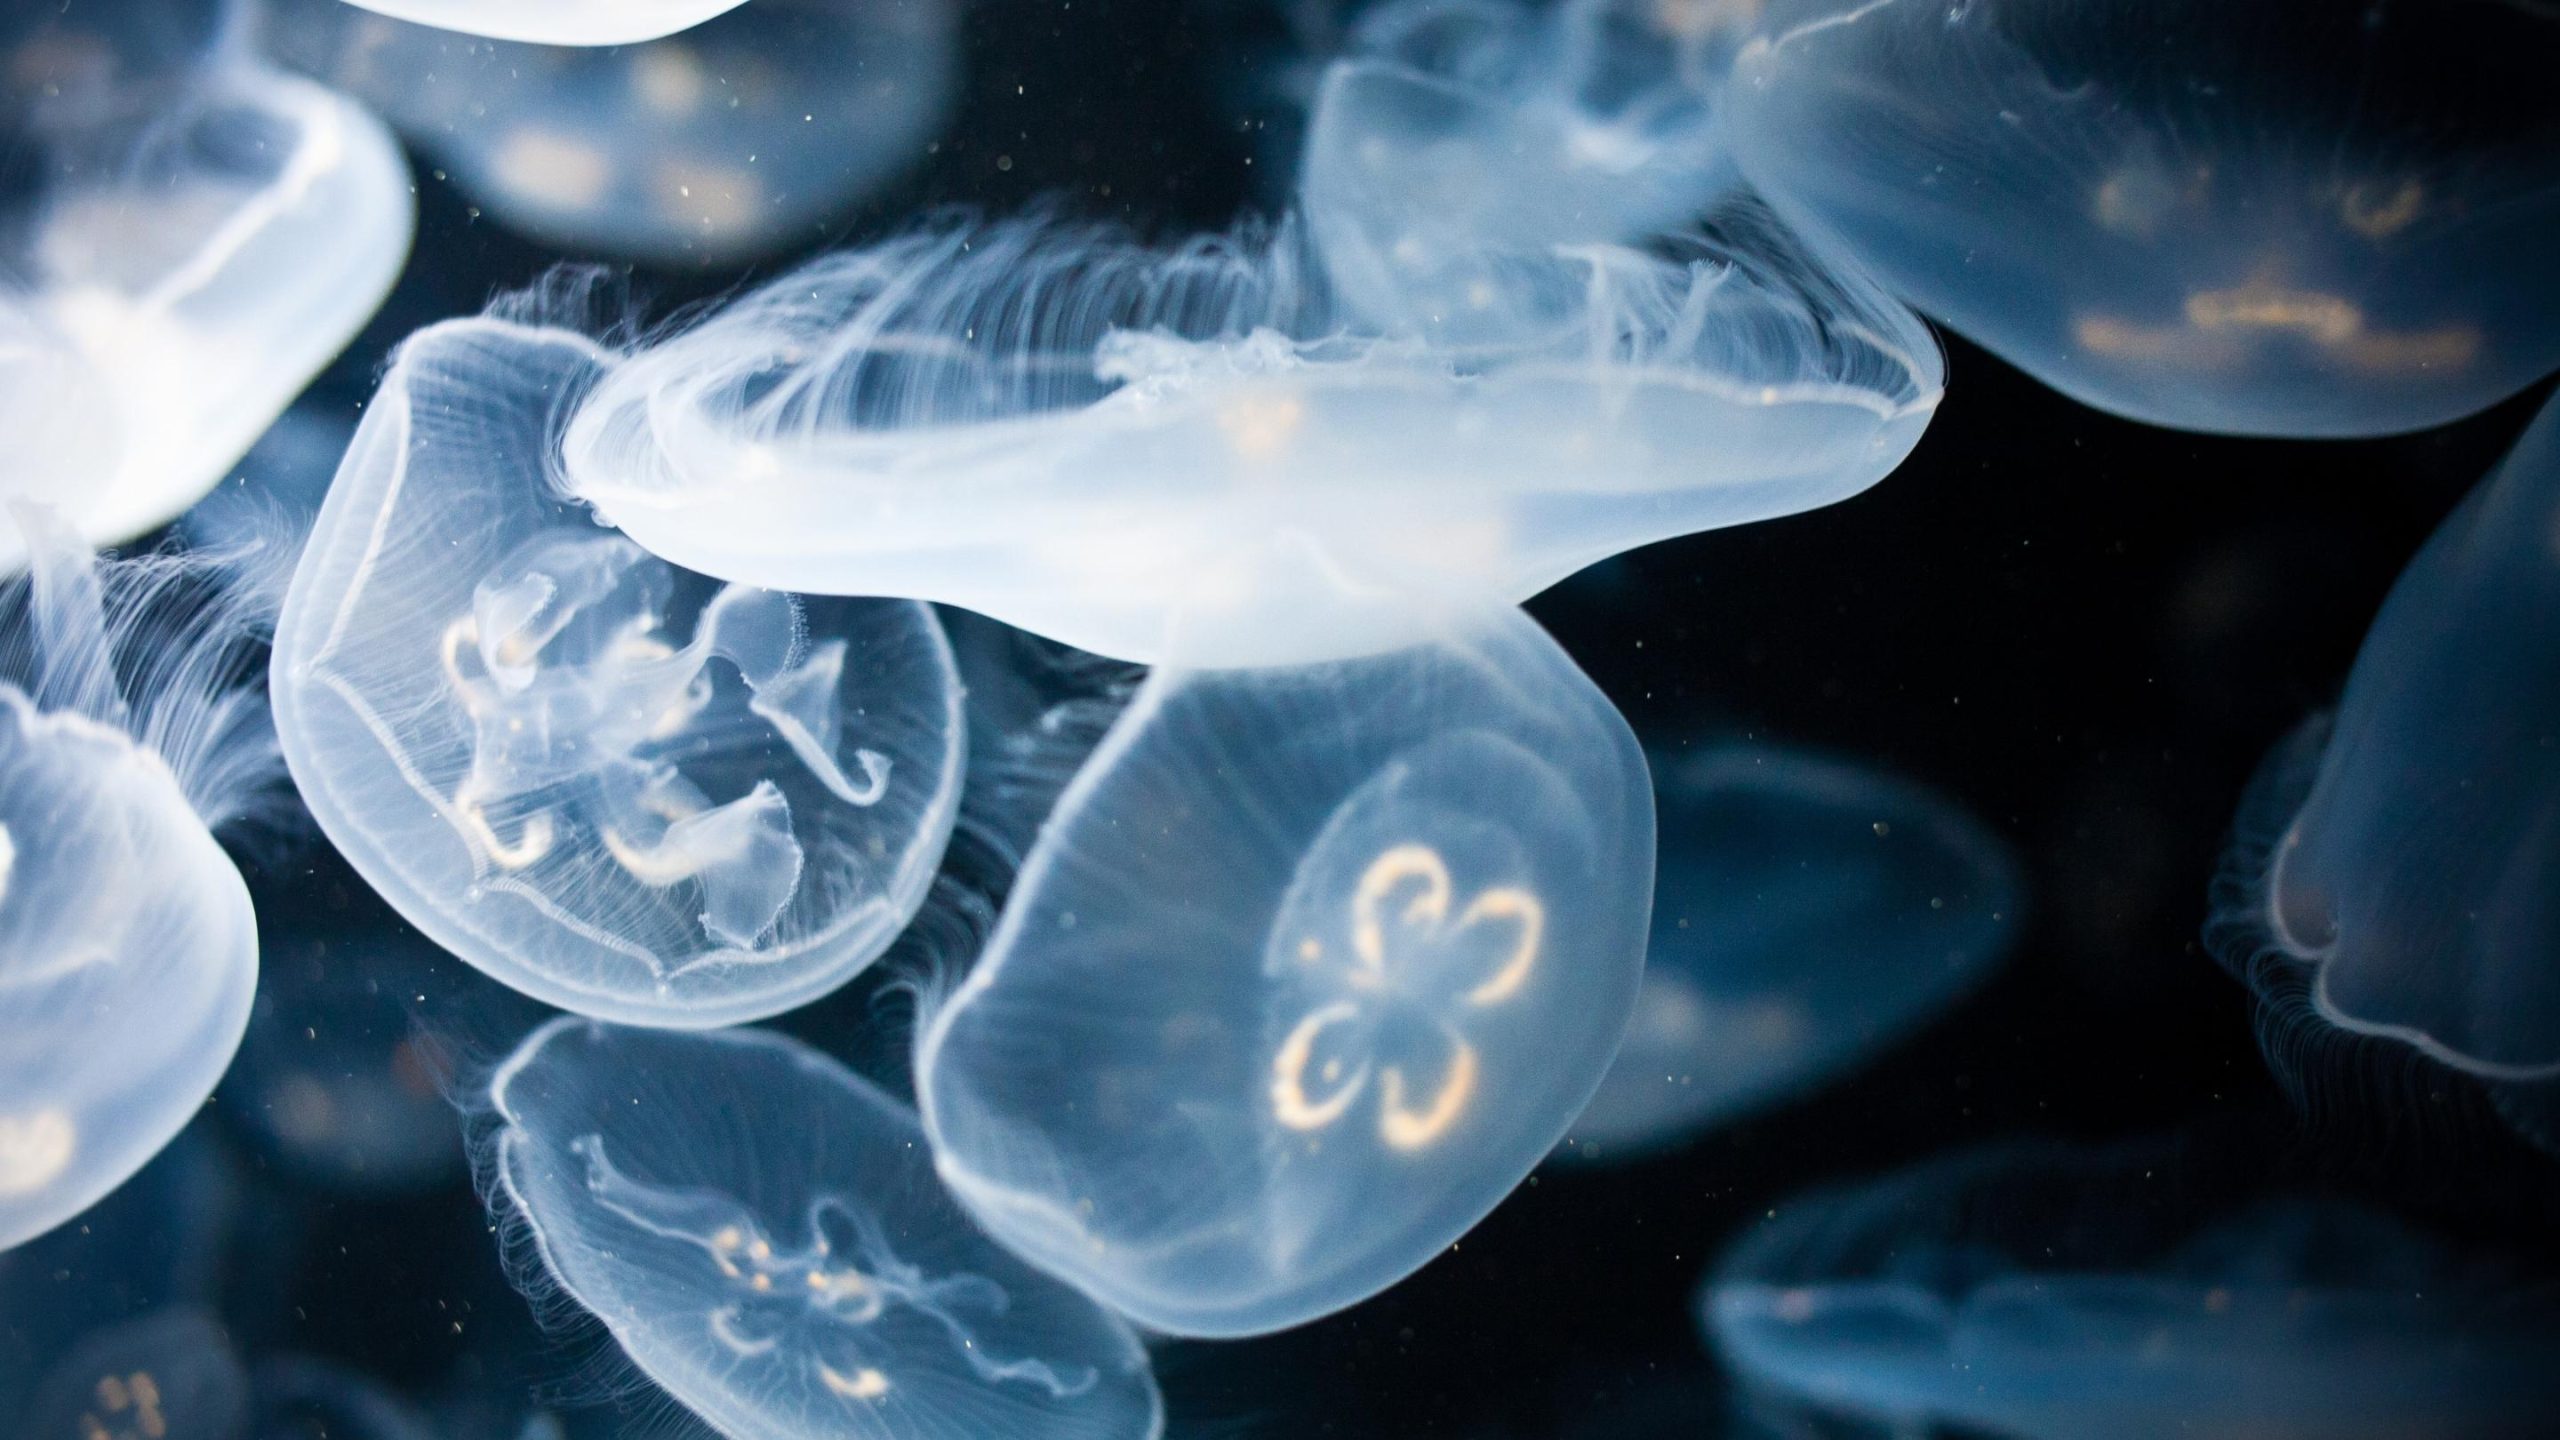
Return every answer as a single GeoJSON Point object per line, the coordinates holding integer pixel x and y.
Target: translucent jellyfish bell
{"type": "Point", "coordinates": [186, 250]}
{"type": "Point", "coordinates": [1461, 130]}
{"type": "Point", "coordinates": [2296, 218]}
{"type": "Point", "coordinates": [1309, 967]}
{"type": "Point", "coordinates": [2404, 858]}
{"type": "Point", "coordinates": [617, 787]}
{"type": "Point", "coordinates": [1807, 913]}
{"type": "Point", "coordinates": [130, 728]}
{"type": "Point", "coordinates": [171, 1375]}
{"type": "Point", "coordinates": [760, 1229]}
{"type": "Point", "coordinates": [2039, 1292]}
{"type": "Point", "coordinates": [734, 139]}
{"type": "Point", "coordinates": [557, 22]}
{"type": "Point", "coordinates": [1138, 451]}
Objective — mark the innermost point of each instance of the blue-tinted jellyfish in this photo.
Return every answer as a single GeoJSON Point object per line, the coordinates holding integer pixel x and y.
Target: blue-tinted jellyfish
{"type": "Point", "coordinates": [2399, 864]}
{"type": "Point", "coordinates": [2298, 218]}
{"type": "Point", "coordinates": [1141, 451]}
{"type": "Point", "coordinates": [1310, 966]}
{"type": "Point", "coordinates": [761, 1230]}
{"type": "Point", "coordinates": [731, 140]}
{"type": "Point", "coordinates": [185, 241]}
{"type": "Point", "coordinates": [2037, 1292]}
{"type": "Point", "coordinates": [1806, 913]}
{"type": "Point", "coordinates": [1460, 133]}
{"type": "Point", "coordinates": [615, 786]}
{"type": "Point", "coordinates": [557, 22]}
{"type": "Point", "coordinates": [171, 1375]}
{"type": "Point", "coordinates": [131, 728]}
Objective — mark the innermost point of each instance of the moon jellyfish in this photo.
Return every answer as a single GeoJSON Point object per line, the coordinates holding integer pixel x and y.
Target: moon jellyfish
{"type": "Point", "coordinates": [2302, 218]}
{"type": "Point", "coordinates": [183, 250]}
{"type": "Point", "coordinates": [2401, 860]}
{"type": "Point", "coordinates": [1309, 967]}
{"type": "Point", "coordinates": [557, 22]}
{"type": "Point", "coordinates": [1141, 452]}
{"type": "Point", "coordinates": [731, 140]}
{"type": "Point", "coordinates": [168, 1376]}
{"type": "Point", "coordinates": [1462, 132]}
{"type": "Point", "coordinates": [617, 787]}
{"type": "Point", "coordinates": [1806, 913]}
{"type": "Point", "coordinates": [761, 1230]}
{"type": "Point", "coordinates": [131, 729]}
{"type": "Point", "coordinates": [2034, 1291]}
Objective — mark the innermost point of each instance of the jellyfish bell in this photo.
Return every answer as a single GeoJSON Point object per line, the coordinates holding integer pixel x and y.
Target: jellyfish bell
{"type": "Point", "coordinates": [1808, 912]}
{"type": "Point", "coordinates": [130, 729]}
{"type": "Point", "coordinates": [617, 787]}
{"type": "Point", "coordinates": [2299, 219]}
{"type": "Point", "coordinates": [762, 1232]}
{"type": "Point", "coordinates": [171, 1375]}
{"type": "Point", "coordinates": [1136, 450]}
{"type": "Point", "coordinates": [732, 140]}
{"type": "Point", "coordinates": [556, 22]}
{"type": "Point", "coordinates": [1308, 968]}
{"type": "Point", "coordinates": [2400, 859]}
{"type": "Point", "coordinates": [191, 248]}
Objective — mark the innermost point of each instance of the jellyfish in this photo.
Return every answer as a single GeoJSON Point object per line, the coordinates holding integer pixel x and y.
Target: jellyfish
{"type": "Point", "coordinates": [2030, 1290]}
{"type": "Point", "coordinates": [2294, 219]}
{"type": "Point", "coordinates": [1309, 967]}
{"type": "Point", "coordinates": [185, 242]}
{"type": "Point", "coordinates": [556, 22]}
{"type": "Point", "coordinates": [1807, 913]}
{"type": "Point", "coordinates": [761, 1230]}
{"type": "Point", "coordinates": [1460, 132]}
{"type": "Point", "coordinates": [733, 140]}
{"type": "Point", "coordinates": [131, 730]}
{"type": "Point", "coordinates": [615, 786]}
{"type": "Point", "coordinates": [2395, 868]}
{"type": "Point", "coordinates": [1142, 451]}
{"type": "Point", "coordinates": [171, 1375]}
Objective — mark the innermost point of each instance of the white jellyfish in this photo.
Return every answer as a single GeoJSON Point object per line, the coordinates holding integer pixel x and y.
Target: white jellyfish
{"type": "Point", "coordinates": [1142, 451]}
{"type": "Point", "coordinates": [1807, 913]}
{"type": "Point", "coordinates": [613, 785]}
{"type": "Point", "coordinates": [131, 728]}
{"type": "Point", "coordinates": [2395, 868]}
{"type": "Point", "coordinates": [735, 139]}
{"type": "Point", "coordinates": [1309, 967]}
{"type": "Point", "coordinates": [195, 241]}
{"type": "Point", "coordinates": [761, 1230]}
{"type": "Point", "coordinates": [557, 22]}
{"type": "Point", "coordinates": [2294, 218]}
{"type": "Point", "coordinates": [2037, 1292]}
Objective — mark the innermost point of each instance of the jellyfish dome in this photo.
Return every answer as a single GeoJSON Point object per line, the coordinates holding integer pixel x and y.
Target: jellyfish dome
{"type": "Point", "coordinates": [171, 1375]}
{"type": "Point", "coordinates": [2403, 857]}
{"type": "Point", "coordinates": [130, 729]}
{"type": "Point", "coordinates": [1459, 131]}
{"type": "Point", "coordinates": [1140, 451]}
{"type": "Point", "coordinates": [185, 246]}
{"type": "Point", "coordinates": [556, 22]}
{"type": "Point", "coordinates": [2038, 1292]}
{"type": "Point", "coordinates": [735, 139]}
{"type": "Point", "coordinates": [761, 1230]}
{"type": "Point", "coordinates": [2296, 219]}
{"type": "Point", "coordinates": [1807, 912]}
{"type": "Point", "coordinates": [617, 787]}
{"type": "Point", "coordinates": [1309, 967]}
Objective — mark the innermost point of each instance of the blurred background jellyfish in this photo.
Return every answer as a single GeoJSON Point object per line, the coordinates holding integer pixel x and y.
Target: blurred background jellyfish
{"type": "Point", "coordinates": [1133, 450]}
{"type": "Point", "coordinates": [761, 1230]}
{"type": "Point", "coordinates": [1806, 913]}
{"type": "Point", "coordinates": [131, 729]}
{"type": "Point", "coordinates": [1459, 133]}
{"type": "Point", "coordinates": [2035, 1291]}
{"type": "Point", "coordinates": [171, 1375]}
{"type": "Point", "coordinates": [187, 236]}
{"type": "Point", "coordinates": [2396, 868]}
{"type": "Point", "coordinates": [557, 22]}
{"type": "Point", "coordinates": [1308, 968]}
{"type": "Point", "coordinates": [736, 139]}
{"type": "Point", "coordinates": [2300, 218]}
{"type": "Point", "coordinates": [615, 786]}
